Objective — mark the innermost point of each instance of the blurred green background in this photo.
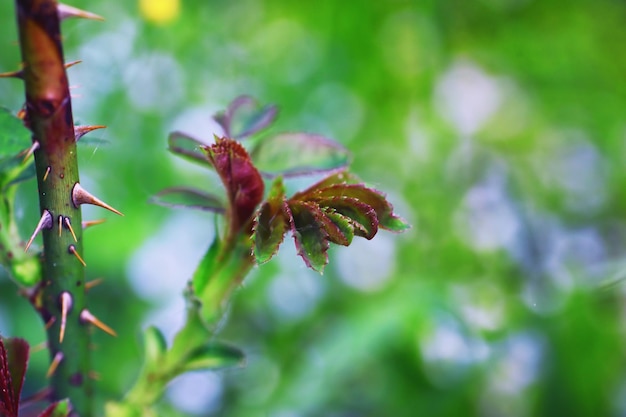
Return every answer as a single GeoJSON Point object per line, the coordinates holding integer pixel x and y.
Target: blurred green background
{"type": "Point", "coordinates": [497, 128]}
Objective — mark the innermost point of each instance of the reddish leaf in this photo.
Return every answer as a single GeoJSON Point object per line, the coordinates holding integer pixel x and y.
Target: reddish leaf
{"type": "Point", "coordinates": [369, 196]}
{"type": "Point", "coordinates": [245, 117]}
{"type": "Point", "coordinates": [344, 224]}
{"type": "Point", "coordinates": [270, 224]}
{"type": "Point", "coordinates": [189, 148]}
{"type": "Point", "coordinates": [362, 216]}
{"type": "Point", "coordinates": [241, 179]}
{"type": "Point", "coordinates": [13, 363]}
{"type": "Point", "coordinates": [183, 197]}
{"type": "Point", "coordinates": [342, 177]}
{"type": "Point", "coordinates": [293, 154]}
{"type": "Point", "coordinates": [309, 235]}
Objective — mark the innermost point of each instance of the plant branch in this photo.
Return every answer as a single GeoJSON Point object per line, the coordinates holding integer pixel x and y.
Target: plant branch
{"type": "Point", "coordinates": [49, 117]}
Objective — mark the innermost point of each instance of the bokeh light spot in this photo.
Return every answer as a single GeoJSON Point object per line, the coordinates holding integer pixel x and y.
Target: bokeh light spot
{"type": "Point", "coordinates": [159, 11]}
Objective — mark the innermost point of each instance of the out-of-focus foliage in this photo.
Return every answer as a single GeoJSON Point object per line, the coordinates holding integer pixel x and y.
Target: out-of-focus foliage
{"type": "Point", "coordinates": [497, 128]}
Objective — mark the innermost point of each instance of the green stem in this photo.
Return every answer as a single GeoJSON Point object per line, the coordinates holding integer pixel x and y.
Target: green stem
{"type": "Point", "coordinates": [49, 116]}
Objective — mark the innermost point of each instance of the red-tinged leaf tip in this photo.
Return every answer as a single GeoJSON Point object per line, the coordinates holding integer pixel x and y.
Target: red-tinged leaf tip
{"type": "Point", "coordinates": [184, 197]}
{"type": "Point", "coordinates": [13, 364]}
{"type": "Point", "coordinates": [241, 179]}
{"type": "Point", "coordinates": [373, 198]}
{"type": "Point", "coordinates": [310, 237]}
{"type": "Point", "coordinates": [295, 154]}
{"type": "Point", "coordinates": [270, 224]}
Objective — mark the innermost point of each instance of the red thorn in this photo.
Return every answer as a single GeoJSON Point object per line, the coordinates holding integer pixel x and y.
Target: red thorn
{"type": "Point", "coordinates": [94, 283]}
{"type": "Point", "coordinates": [54, 364]}
{"type": "Point", "coordinates": [45, 175]}
{"type": "Point", "coordinates": [66, 12]}
{"type": "Point", "coordinates": [30, 151]}
{"type": "Point", "coordinates": [80, 196]}
{"type": "Point", "coordinates": [50, 322]}
{"type": "Point", "coordinates": [80, 131]}
{"type": "Point", "coordinates": [66, 305]}
{"type": "Point", "coordinates": [13, 74]}
{"type": "Point", "coordinates": [44, 223]}
{"type": "Point", "coordinates": [66, 220]}
{"type": "Point", "coordinates": [72, 249]}
{"type": "Point", "coordinates": [89, 223]}
{"type": "Point", "coordinates": [87, 317]}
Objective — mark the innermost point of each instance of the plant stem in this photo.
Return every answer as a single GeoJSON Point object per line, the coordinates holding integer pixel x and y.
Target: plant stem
{"type": "Point", "coordinates": [49, 116]}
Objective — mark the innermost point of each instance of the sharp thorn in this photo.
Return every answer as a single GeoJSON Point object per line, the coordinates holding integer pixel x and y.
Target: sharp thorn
{"type": "Point", "coordinates": [66, 305]}
{"type": "Point", "coordinates": [45, 175]}
{"type": "Point", "coordinates": [60, 224]}
{"type": "Point", "coordinates": [80, 131]}
{"type": "Point", "coordinates": [72, 63]}
{"type": "Point", "coordinates": [30, 151]}
{"type": "Point", "coordinates": [38, 347]}
{"type": "Point", "coordinates": [87, 317]}
{"type": "Point", "coordinates": [13, 74]}
{"type": "Point", "coordinates": [54, 364]}
{"type": "Point", "coordinates": [80, 196]}
{"type": "Point", "coordinates": [65, 12]}
{"type": "Point", "coordinates": [72, 249]}
{"type": "Point", "coordinates": [50, 322]}
{"type": "Point", "coordinates": [93, 283]}
{"type": "Point", "coordinates": [66, 220]}
{"type": "Point", "coordinates": [44, 223]}
{"type": "Point", "coordinates": [89, 223]}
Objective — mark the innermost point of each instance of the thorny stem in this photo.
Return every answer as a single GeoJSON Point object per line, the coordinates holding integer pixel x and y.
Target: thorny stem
{"type": "Point", "coordinates": [49, 116]}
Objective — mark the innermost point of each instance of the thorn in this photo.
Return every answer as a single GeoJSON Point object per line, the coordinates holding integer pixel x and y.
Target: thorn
{"type": "Point", "coordinates": [94, 283]}
{"type": "Point", "coordinates": [69, 226]}
{"type": "Point", "coordinates": [93, 375]}
{"type": "Point", "coordinates": [89, 223]}
{"type": "Point", "coordinates": [54, 364]}
{"type": "Point", "coordinates": [38, 347]}
{"type": "Point", "coordinates": [87, 317]}
{"type": "Point", "coordinates": [72, 63]}
{"type": "Point", "coordinates": [66, 305]}
{"type": "Point", "coordinates": [50, 322]}
{"type": "Point", "coordinates": [30, 151]}
{"type": "Point", "coordinates": [13, 74]}
{"type": "Point", "coordinates": [80, 131]}
{"type": "Point", "coordinates": [65, 12]}
{"type": "Point", "coordinates": [60, 224]}
{"type": "Point", "coordinates": [80, 196]}
{"type": "Point", "coordinates": [44, 223]}
{"type": "Point", "coordinates": [72, 249]}
{"type": "Point", "coordinates": [45, 175]}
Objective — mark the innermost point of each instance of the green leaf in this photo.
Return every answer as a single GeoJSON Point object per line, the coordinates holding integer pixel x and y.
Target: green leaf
{"type": "Point", "coordinates": [292, 154]}
{"type": "Point", "coordinates": [270, 223]}
{"type": "Point", "coordinates": [57, 409]}
{"type": "Point", "coordinates": [154, 345]}
{"type": "Point", "coordinates": [184, 197]}
{"type": "Point", "coordinates": [344, 224]}
{"type": "Point", "coordinates": [245, 117]}
{"type": "Point", "coordinates": [310, 237]}
{"type": "Point", "coordinates": [369, 196]}
{"type": "Point", "coordinates": [14, 136]}
{"type": "Point", "coordinates": [188, 148]}
{"type": "Point", "coordinates": [213, 355]}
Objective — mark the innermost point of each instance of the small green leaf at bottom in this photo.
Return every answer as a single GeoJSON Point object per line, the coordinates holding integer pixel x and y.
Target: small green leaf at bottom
{"type": "Point", "coordinates": [57, 409]}
{"type": "Point", "coordinates": [213, 355]}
